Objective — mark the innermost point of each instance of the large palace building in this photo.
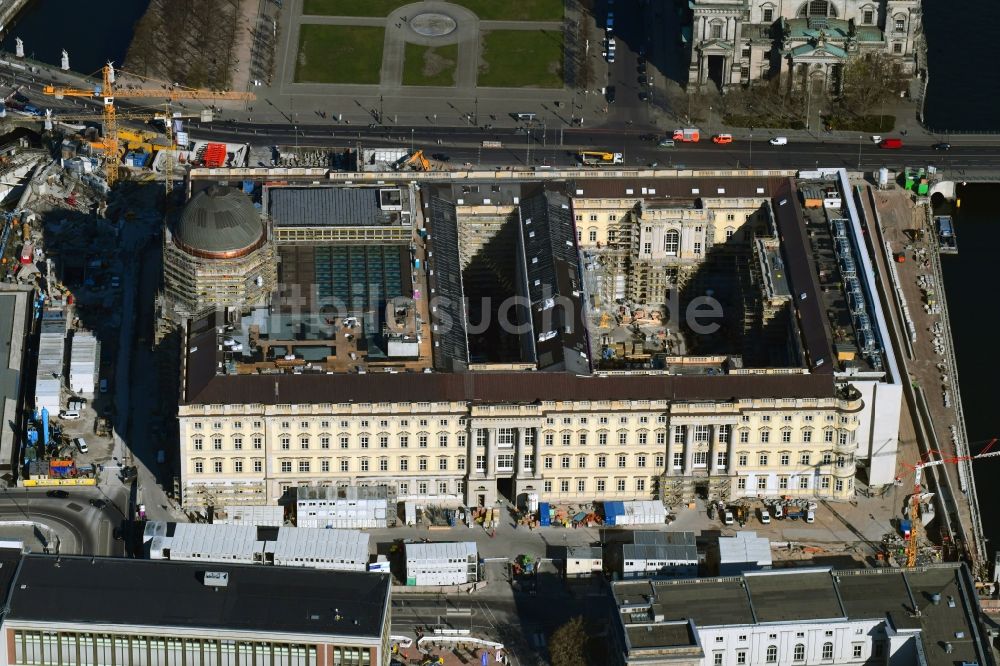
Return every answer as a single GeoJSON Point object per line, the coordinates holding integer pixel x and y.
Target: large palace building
{"type": "Point", "coordinates": [585, 336]}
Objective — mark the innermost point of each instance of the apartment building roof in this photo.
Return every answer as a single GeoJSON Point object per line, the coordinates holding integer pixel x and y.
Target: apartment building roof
{"type": "Point", "coordinates": [944, 595]}
{"type": "Point", "coordinates": [158, 593]}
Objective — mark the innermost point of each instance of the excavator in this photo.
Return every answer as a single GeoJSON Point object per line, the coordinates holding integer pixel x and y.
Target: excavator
{"type": "Point", "coordinates": [416, 161]}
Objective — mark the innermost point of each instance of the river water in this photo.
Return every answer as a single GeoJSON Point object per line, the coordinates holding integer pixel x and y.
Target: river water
{"type": "Point", "coordinates": [962, 96]}
{"type": "Point", "coordinates": [93, 31]}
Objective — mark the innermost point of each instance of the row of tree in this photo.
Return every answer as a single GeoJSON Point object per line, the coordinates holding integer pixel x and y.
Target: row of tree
{"type": "Point", "coordinates": [190, 41]}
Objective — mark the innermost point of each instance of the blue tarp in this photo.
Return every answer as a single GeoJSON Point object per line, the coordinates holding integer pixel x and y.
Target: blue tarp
{"type": "Point", "coordinates": [543, 514]}
{"type": "Point", "coordinates": [612, 510]}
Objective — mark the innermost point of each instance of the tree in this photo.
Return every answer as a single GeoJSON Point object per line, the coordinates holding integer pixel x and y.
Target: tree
{"type": "Point", "coordinates": [869, 81]}
{"type": "Point", "coordinates": [568, 645]}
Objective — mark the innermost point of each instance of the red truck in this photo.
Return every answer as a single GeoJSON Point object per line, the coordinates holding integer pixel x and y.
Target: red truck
{"type": "Point", "coordinates": [890, 143]}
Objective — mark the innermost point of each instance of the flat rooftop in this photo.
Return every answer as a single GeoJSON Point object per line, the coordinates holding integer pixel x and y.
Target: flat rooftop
{"type": "Point", "coordinates": [944, 595]}
{"type": "Point", "coordinates": [337, 206]}
{"type": "Point", "coordinates": [126, 592]}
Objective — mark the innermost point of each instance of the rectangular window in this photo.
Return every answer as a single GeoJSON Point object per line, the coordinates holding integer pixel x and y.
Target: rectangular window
{"type": "Point", "coordinates": [762, 483]}
{"type": "Point", "coordinates": [716, 31]}
{"type": "Point", "coordinates": [623, 439]}
{"type": "Point", "coordinates": [422, 464]}
{"type": "Point", "coordinates": [765, 436]}
{"type": "Point", "coordinates": [786, 459]}
{"type": "Point", "coordinates": [678, 460]}
{"type": "Point", "coordinates": [869, 17]}
{"type": "Point", "coordinates": [383, 442]}
{"type": "Point", "coordinates": [549, 439]}
{"type": "Point", "coordinates": [720, 459]}
{"type": "Point", "coordinates": [783, 482]}
{"type": "Point", "coordinates": [807, 436]}
{"type": "Point", "coordinates": [345, 442]}
{"type": "Point", "coordinates": [481, 463]}
{"type": "Point", "coordinates": [900, 25]}
{"type": "Point", "coordinates": [741, 657]}
{"type": "Point", "coordinates": [621, 485]}
{"type": "Point", "coordinates": [600, 485]}
{"type": "Point", "coordinates": [602, 462]}
{"type": "Point", "coordinates": [768, 15]}
{"type": "Point", "coordinates": [622, 460]}
{"type": "Point", "coordinates": [804, 458]}
{"type": "Point", "coordinates": [258, 466]}
{"type": "Point", "coordinates": [762, 460]}
{"type": "Point", "coordinates": [564, 486]}
{"type": "Point", "coordinates": [640, 485]}
{"type": "Point", "coordinates": [742, 460]}
{"type": "Point", "coordinates": [404, 464]}
{"type": "Point", "coordinates": [442, 464]}
{"type": "Point", "coordinates": [741, 483]}
{"type": "Point", "coordinates": [803, 483]}
{"type": "Point", "coordinates": [304, 465]}
{"type": "Point", "coordinates": [238, 466]}
{"type": "Point", "coordinates": [422, 441]}
{"type": "Point", "coordinates": [547, 486]}
{"type": "Point", "coordinates": [702, 433]}
{"type": "Point", "coordinates": [286, 466]}
{"type": "Point", "coordinates": [602, 439]}
{"type": "Point", "coordinates": [700, 458]}
{"type": "Point", "coordinates": [324, 466]}
{"type": "Point", "coordinates": [345, 465]}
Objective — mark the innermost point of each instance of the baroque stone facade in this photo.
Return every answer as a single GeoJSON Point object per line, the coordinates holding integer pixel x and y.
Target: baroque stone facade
{"type": "Point", "coordinates": [565, 451]}
{"type": "Point", "coordinates": [735, 42]}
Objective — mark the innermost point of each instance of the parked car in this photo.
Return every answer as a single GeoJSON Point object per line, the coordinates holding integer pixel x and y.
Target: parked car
{"type": "Point", "coordinates": [81, 445]}
{"type": "Point", "coordinates": [810, 516]}
{"type": "Point", "coordinates": [943, 145]}
{"type": "Point", "coordinates": [876, 138]}
{"type": "Point", "coordinates": [727, 517]}
{"type": "Point", "coordinates": [643, 96]}
{"type": "Point", "coordinates": [58, 494]}
{"type": "Point", "coordinates": [765, 517]}
{"type": "Point", "coordinates": [779, 141]}
{"type": "Point", "coordinates": [779, 512]}
{"type": "Point", "coordinates": [722, 139]}
{"type": "Point", "coordinates": [69, 415]}
{"type": "Point", "coordinates": [891, 144]}
{"type": "Point", "coordinates": [115, 282]}
{"type": "Point", "coordinates": [104, 386]}
{"type": "Point", "coordinates": [609, 94]}
{"type": "Point", "coordinates": [666, 143]}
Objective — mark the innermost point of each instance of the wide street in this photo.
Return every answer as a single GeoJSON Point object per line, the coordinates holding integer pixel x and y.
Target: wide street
{"type": "Point", "coordinates": [70, 525]}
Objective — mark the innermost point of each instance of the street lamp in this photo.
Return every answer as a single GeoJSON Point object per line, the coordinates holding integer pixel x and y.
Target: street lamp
{"type": "Point", "coordinates": [860, 137]}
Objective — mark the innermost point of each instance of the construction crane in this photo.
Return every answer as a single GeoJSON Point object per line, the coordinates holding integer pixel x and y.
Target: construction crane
{"type": "Point", "coordinates": [107, 92]}
{"type": "Point", "coordinates": [167, 117]}
{"type": "Point", "coordinates": [913, 544]}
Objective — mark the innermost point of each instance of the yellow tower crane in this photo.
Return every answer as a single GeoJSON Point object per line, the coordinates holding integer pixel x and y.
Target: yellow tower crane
{"type": "Point", "coordinates": [916, 537]}
{"type": "Point", "coordinates": [166, 116]}
{"type": "Point", "coordinates": [107, 92]}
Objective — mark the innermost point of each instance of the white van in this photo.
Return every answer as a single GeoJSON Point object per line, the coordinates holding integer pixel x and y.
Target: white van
{"type": "Point", "coordinates": [69, 415]}
{"type": "Point", "coordinates": [765, 517]}
{"type": "Point", "coordinates": [727, 517]}
{"type": "Point", "coordinates": [810, 516]}
{"type": "Point", "coordinates": [81, 445]}
{"type": "Point", "coordinates": [779, 141]}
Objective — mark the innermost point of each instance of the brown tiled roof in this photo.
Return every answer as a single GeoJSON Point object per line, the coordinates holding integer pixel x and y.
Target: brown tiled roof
{"type": "Point", "coordinates": [499, 387]}
{"type": "Point", "coordinates": [680, 188]}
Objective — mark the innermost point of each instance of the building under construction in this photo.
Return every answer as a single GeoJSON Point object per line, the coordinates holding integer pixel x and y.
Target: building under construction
{"type": "Point", "coordinates": [218, 255]}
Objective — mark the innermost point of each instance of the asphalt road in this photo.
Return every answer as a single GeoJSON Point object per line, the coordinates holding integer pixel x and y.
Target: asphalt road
{"type": "Point", "coordinates": [82, 528]}
{"type": "Point", "coordinates": [557, 147]}
{"type": "Point", "coordinates": [622, 131]}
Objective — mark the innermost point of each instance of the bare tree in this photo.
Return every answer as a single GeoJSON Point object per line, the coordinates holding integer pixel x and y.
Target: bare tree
{"type": "Point", "coordinates": [869, 81]}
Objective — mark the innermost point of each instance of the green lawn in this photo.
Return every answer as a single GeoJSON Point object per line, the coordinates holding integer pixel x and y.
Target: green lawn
{"type": "Point", "coordinates": [489, 10]}
{"type": "Point", "coordinates": [515, 10]}
{"type": "Point", "coordinates": [429, 65]}
{"type": "Point", "coordinates": [350, 7]}
{"type": "Point", "coordinates": [339, 54]}
{"type": "Point", "coordinates": [521, 58]}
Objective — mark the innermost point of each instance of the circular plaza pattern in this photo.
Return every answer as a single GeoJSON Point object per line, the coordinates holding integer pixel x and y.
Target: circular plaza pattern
{"type": "Point", "coordinates": [433, 24]}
